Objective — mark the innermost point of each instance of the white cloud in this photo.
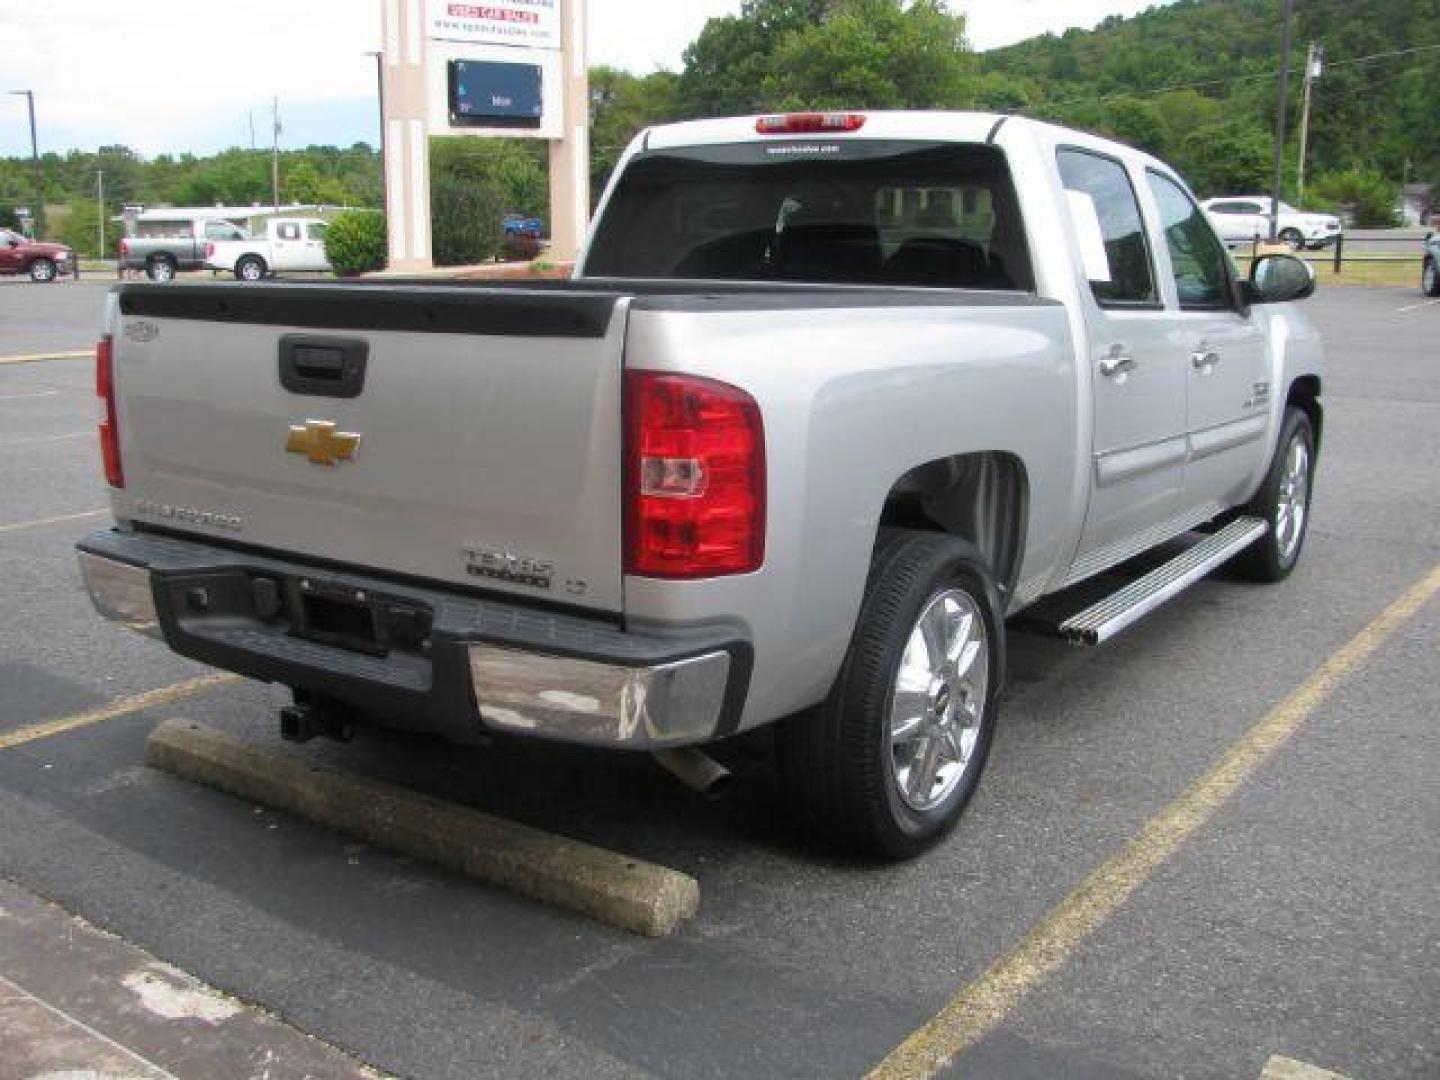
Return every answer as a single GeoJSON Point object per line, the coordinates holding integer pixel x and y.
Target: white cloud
{"type": "Point", "coordinates": [993, 23]}
{"type": "Point", "coordinates": [176, 74]}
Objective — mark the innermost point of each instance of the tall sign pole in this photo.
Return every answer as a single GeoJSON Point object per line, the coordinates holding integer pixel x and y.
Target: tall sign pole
{"type": "Point", "coordinates": [570, 156]}
{"type": "Point", "coordinates": [39, 216]}
{"type": "Point", "coordinates": [1281, 115]}
{"type": "Point", "coordinates": [504, 69]}
{"type": "Point", "coordinates": [1313, 61]}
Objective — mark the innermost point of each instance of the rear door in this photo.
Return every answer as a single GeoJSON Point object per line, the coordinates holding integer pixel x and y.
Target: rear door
{"type": "Point", "coordinates": [287, 245]}
{"type": "Point", "coordinates": [462, 435]}
{"type": "Point", "coordinates": [314, 258]}
{"type": "Point", "coordinates": [1137, 374]}
{"type": "Point", "coordinates": [1228, 394]}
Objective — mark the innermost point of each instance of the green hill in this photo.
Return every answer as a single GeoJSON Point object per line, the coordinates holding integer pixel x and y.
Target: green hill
{"type": "Point", "coordinates": [1195, 81]}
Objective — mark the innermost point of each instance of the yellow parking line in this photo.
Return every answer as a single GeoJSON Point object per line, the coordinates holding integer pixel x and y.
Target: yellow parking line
{"type": "Point", "coordinates": [151, 699]}
{"type": "Point", "coordinates": [1283, 1068]}
{"type": "Point", "coordinates": [984, 1004]}
{"type": "Point", "coordinates": [21, 526]}
{"type": "Point", "coordinates": [35, 358]}
{"type": "Point", "coordinates": [37, 439]}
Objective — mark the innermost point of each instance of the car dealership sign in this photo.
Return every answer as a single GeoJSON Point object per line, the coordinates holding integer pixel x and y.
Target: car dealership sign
{"type": "Point", "coordinates": [533, 24]}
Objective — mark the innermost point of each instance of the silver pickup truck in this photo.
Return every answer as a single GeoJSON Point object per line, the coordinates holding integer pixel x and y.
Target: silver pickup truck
{"type": "Point", "coordinates": [831, 398]}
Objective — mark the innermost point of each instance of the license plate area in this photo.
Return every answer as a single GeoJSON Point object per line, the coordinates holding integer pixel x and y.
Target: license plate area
{"type": "Point", "coordinates": [340, 620]}
{"type": "Point", "coordinates": [357, 619]}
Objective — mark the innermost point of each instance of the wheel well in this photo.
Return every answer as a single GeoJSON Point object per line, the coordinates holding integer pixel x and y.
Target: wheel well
{"type": "Point", "coordinates": [982, 498]}
{"type": "Point", "coordinates": [1305, 395]}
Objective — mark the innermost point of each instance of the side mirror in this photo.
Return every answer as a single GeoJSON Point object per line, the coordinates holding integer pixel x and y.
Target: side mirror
{"type": "Point", "coordinates": [1278, 279]}
{"type": "Point", "coordinates": [12, 242]}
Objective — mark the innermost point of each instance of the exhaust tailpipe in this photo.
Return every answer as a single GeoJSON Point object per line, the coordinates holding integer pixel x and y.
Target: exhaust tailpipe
{"type": "Point", "coordinates": [697, 770]}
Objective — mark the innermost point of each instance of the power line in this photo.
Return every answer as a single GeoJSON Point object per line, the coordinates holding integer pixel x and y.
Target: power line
{"type": "Point", "coordinates": [1231, 79]}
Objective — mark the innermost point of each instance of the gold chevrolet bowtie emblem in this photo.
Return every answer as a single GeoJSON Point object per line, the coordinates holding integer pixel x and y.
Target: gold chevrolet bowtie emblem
{"type": "Point", "coordinates": [321, 443]}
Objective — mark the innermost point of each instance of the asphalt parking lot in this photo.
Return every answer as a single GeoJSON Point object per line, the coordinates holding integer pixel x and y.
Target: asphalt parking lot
{"type": "Point", "coordinates": [1302, 919]}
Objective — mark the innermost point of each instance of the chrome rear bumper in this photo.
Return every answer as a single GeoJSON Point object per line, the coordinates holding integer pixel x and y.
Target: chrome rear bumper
{"type": "Point", "coordinates": [437, 661]}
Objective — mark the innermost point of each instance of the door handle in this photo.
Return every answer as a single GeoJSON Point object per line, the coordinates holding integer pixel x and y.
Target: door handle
{"type": "Point", "coordinates": [1205, 360]}
{"type": "Point", "coordinates": [1117, 364]}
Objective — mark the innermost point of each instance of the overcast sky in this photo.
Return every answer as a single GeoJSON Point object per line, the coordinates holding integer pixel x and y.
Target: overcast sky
{"type": "Point", "coordinates": [163, 75]}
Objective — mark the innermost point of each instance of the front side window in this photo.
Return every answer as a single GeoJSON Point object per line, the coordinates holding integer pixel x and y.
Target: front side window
{"type": "Point", "coordinates": [288, 230]}
{"type": "Point", "coordinates": [847, 213]}
{"type": "Point", "coordinates": [1109, 229]}
{"type": "Point", "coordinates": [1198, 259]}
{"type": "Point", "coordinates": [315, 230]}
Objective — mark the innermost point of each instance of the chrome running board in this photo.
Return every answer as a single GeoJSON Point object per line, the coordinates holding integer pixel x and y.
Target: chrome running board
{"type": "Point", "coordinates": [1102, 621]}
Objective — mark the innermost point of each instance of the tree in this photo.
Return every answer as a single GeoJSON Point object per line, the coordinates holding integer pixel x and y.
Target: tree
{"type": "Point", "coordinates": [515, 167]}
{"type": "Point", "coordinates": [874, 54]}
{"type": "Point", "coordinates": [726, 66]}
{"type": "Point", "coordinates": [621, 106]}
{"type": "Point", "coordinates": [81, 229]}
{"type": "Point", "coordinates": [1228, 157]}
{"type": "Point", "coordinates": [1368, 196]}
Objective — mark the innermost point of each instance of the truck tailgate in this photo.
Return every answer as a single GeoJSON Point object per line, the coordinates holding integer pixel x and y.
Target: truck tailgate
{"type": "Point", "coordinates": [480, 444]}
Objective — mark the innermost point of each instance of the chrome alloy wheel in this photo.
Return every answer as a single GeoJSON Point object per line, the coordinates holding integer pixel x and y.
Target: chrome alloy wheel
{"type": "Point", "coordinates": [937, 705]}
{"type": "Point", "coordinates": [1294, 500]}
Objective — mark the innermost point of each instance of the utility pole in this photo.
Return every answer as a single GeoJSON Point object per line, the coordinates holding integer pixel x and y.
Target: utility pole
{"type": "Point", "coordinates": [275, 156]}
{"type": "Point", "coordinates": [379, 56]}
{"type": "Point", "coordinates": [251, 115]}
{"type": "Point", "coordinates": [1281, 115]}
{"type": "Point", "coordinates": [39, 215]}
{"type": "Point", "coordinates": [1314, 64]}
{"type": "Point", "coordinates": [100, 201]}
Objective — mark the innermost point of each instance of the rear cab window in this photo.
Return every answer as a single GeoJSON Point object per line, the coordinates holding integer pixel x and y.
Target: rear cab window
{"type": "Point", "coordinates": [1105, 214]}
{"type": "Point", "coordinates": [854, 212]}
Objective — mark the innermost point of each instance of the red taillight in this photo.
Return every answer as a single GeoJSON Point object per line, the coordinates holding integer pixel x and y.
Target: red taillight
{"type": "Point", "coordinates": [210, 250]}
{"type": "Point", "coordinates": [124, 248]}
{"type": "Point", "coordinates": [809, 123]}
{"type": "Point", "coordinates": [695, 478]}
{"type": "Point", "coordinates": [109, 426]}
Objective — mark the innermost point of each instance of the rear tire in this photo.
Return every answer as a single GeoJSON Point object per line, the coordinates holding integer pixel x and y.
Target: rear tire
{"type": "Point", "coordinates": [1283, 501]}
{"type": "Point", "coordinates": [1430, 278]}
{"type": "Point", "coordinates": [160, 268]}
{"type": "Point", "coordinates": [250, 268]}
{"type": "Point", "coordinates": [1293, 239]}
{"type": "Point", "coordinates": [42, 271]}
{"type": "Point", "coordinates": [886, 764]}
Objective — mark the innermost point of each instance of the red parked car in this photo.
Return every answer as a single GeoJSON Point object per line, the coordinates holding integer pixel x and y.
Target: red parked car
{"type": "Point", "coordinates": [43, 262]}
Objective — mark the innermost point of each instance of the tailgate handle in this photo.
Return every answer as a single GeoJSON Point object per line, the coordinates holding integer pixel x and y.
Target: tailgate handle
{"type": "Point", "coordinates": [323, 366]}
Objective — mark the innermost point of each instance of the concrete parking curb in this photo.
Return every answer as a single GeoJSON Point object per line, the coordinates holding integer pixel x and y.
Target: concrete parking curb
{"type": "Point", "coordinates": [627, 893]}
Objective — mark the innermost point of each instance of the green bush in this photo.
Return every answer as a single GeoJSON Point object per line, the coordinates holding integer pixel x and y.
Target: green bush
{"type": "Point", "coordinates": [80, 230]}
{"type": "Point", "coordinates": [516, 166]}
{"type": "Point", "coordinates": [355, 242]}
{"type": "Point", "coordinates": [1367, 195]}
{"type": "Point", "coordinates": [466, 219]}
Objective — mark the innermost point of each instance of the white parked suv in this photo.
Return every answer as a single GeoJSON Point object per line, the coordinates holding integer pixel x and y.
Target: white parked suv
{"type": "Point", "coordinates": [1241, 218]}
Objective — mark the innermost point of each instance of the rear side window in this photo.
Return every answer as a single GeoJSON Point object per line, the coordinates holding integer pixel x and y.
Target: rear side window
{"type": "Point", "coordinates": [222, 230]}
{"type": "Point", "coordinates": [860, 212]}
{"type": "Point", "coordinates": [1106, 217]}
{"type": "Point", "coordinates": [288, 230]}
{"type": "Point", "coordinates": [315, 230]}
{"type": "Point", "coordinates": [1199, 261]}
{"type": "Point", "coordinates": [162, 229]}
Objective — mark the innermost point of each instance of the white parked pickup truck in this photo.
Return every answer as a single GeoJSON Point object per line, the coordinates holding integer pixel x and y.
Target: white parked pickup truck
{"type": "Point", "coordinates": [289, 244]}
{"type": "Point", "coordinates": [831, 398]}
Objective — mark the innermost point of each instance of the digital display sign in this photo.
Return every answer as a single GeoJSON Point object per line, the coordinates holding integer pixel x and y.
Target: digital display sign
{"type": "Point", "coordinates": [487, 94]}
